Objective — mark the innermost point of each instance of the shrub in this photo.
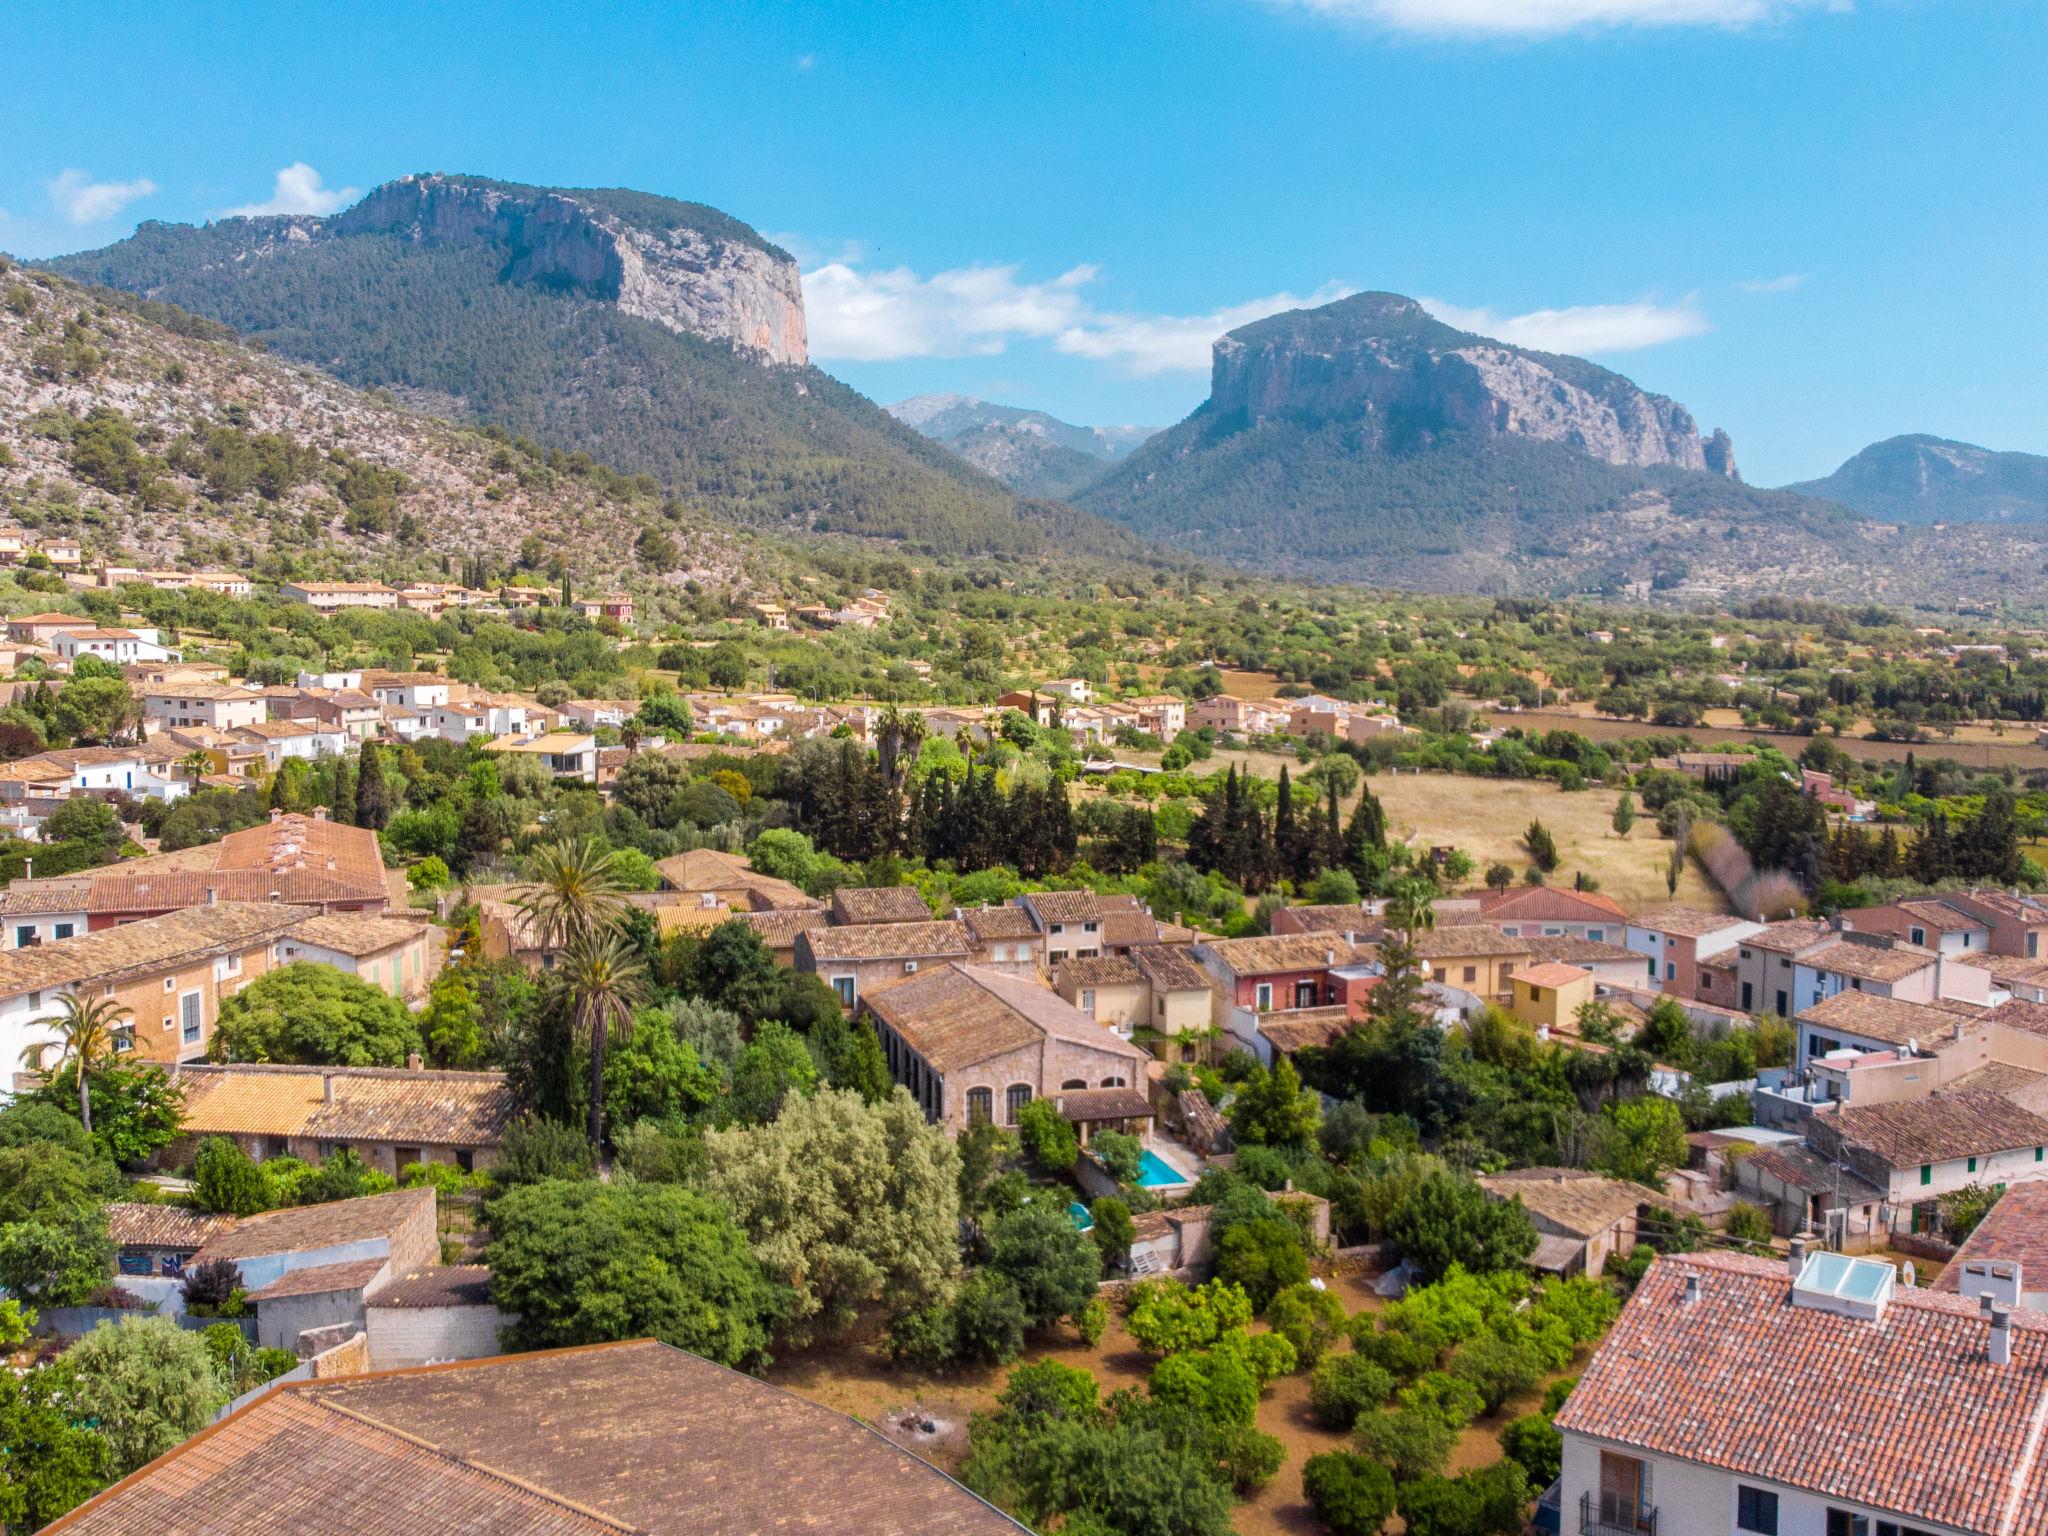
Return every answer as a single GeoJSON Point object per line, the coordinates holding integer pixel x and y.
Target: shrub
{"type": "Point", "coordinates": [1351, 1495]}
{"type": "Point", "coordinates": [1263, 1257]}
{"type": "Point", "coordinates": [1309, 1319]}
{"type": "Point", "coordinates": [1484, 1502]}
{"type": "Point", "coordinates": [1249, 1457]}
{"type": "Point", "coordinates": [225, 1180]}
{"type": "Point", "coordinates": [1122, 1156]}
{"type": "Point", "coordinates": [1342, 1387]}
{"type": "Point", "coordinates": [989, 1319]}
{"type": "Point", "coordinates": [1113, 1230]}
{"type": "Point", "coordinates": [1534, 1442]}
{"type": "Point", "coordinates": [1049, 1139]}
{"type": "Point", "coordinates": [1456, 1401]}
{"type": "Point", "coordinates": [1749, 1223]}
{"type": "Point", "coordinates": [1498, 1368]}
{"type": "Point", "coordinates": [210, 1288]}
{"type": "Point", "coordinates": [1409, 1441]}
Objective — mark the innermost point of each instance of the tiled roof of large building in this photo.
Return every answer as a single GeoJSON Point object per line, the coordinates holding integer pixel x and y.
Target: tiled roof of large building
{"type": "Point", "coordinates": [997, 924]}
{"type": "Point", "coordinates": [706, 869]}
{"type": "Point", "coordinates": [434, 1109]}
{"type": "Point", "coordinates": [1893, 1020]}
{"type": "Point", "coordinates": [1564, 949]}
{"type": "Point", "coordinates": [779, 926]}
{"type": "Point", "coordinates": [1296, 1029]}
{"type": "Point", "coordinates": [956, 1015]}
{"type": "Point", "coordinates": [445, 1285]}
{"type": "Point", "coordinates": [1572, 1199]}
{"type": "Point", "coordinates": [633, 1439]}
{"type": "Point", "coordinates": [1790, 935]}
{"type": "Point", "coordinates": [879, 904]}
{"type": "Point", "coordinates": [319, 1279]}
{"type": "Point", "coordinates": [1906, 1414]}
{"type": "Point", "coordinates": [140, 1224]}
{"type": "Point", "coordinates": [308, 1228]}
{"type": "Point", "coordinates": [887, 941]}
{"type": "Point", "coordinates": [137, 949]}
{"type": "Point", "coordinates": [1339, 917]}
{"type": "Point", "coordinates": [1870, 962]}
{"type": "Point", "coordinates": [357, 933]}
{"type": "Point", "coordinates": [1459, 941]}
{"type": "Point", "coordinates": [127, 890]}
{"type": "Point", "coordinates": [1100, 971]}
{"type": "Point", "coordinates": [1549, 904]}
{"type": "Point", "coordinates": [1077, 906]}
{"type": "Point", "coordinates": [1936, 1129]}
{"type": "Point", "coordinates": [1288, 952]}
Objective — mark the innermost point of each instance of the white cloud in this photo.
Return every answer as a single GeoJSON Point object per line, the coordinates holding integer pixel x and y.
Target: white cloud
{"type": "Point", "coordinates": [85, 201]}
{"type": "Point", "coordinates": [1141, 345]}
{"type": "Point", "coordinates": [298, 190]}
{"type": "Point", "coordinates": [966, 312]}
{"type": "Point", "coordinates": [1791, 282]}
{"type": "Point", "coordinates": [807, 63]}
{"type": "Point", "coordinates": [1587, 328]}
{"type": "Point", "coordinates": [977, 311]}
{"type": "Point", "coordinates": [1549, 18]}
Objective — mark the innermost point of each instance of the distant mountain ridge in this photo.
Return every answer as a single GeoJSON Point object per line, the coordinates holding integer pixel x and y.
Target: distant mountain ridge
{"type": "Point", "coordinates": [1923, 479]}
{"type": "Point", "coordinates": [1367, 440]}
{"type": "Point", "coordinates": [1033, 453]}
{"type": "Point", "coordinates": [659, 336]}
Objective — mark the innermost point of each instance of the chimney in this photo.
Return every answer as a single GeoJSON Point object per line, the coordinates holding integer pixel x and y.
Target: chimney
{"type": "Point", "coordinates": [319, 813]}
{"type": "Point", "coordinates": [1797, 1259]}
{"type": "Point", "coordinates": [413, 1062]}
{"type": "Point", "coordinates": [327, 1087]}
{"type": "Point", "coordinates": [1329, 957]}
{"type": "Point", "coordinates": [276, 897]}
{"type": "Point", "coordinates": [276, 815]}
{"type": "Point", "coordinates": [28, 869]}
{"type": "Point", "coordinates": [212, 895]}
{"type": "Point", "coordinates": [2001, 1336]}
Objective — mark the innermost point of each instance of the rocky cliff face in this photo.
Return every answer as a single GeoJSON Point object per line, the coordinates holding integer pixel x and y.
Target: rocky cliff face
{"type": "Point", "coordinates": [1382, 357]}
{"type": "Point", "coordinates": [700, 281]}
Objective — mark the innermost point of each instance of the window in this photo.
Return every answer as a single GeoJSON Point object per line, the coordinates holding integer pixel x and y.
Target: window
{"type": "Point", "coordinates": [1596, 935]}
{"type": "Point", "coordinates": [1015, 1097]}
{"type": "Point", "coordinates": [466, 1160]}
{"type": "Point", "coordinates": [1916, 936]}
{"type": "Point", "coordinates": [1471, 973]}
{"type": "Point", "coordinates": [1842, 1522]}
{"type": "Point", "coordinates": [1973, 1165]}
{"type": "Point", "coordinates": [1670, 971]}
{"type": "Point", "coordinates": [980, 1105]}
{"type": "Point", "coordinates": [170, 983]}
{"type": "Point", "coordinates": [64, 930]}
{"type": "Point", "coordinates": [1090, 927]}
{"type": "Point", "coordinates": [1263, 995]}
{"type": "Point", "coordinates": [1112, 1082]}
{"type": "Point", "coordinates": [191, 1013]}
{"type": "Point", "coordinates": [1887, 1528]}
{"type": "Point", "coordinates": [843, 985]}
{"type": "Point", "coordinates": [24, 935]}
{"type": "Point", "coordinates": [1927, 1173]}
{"type": "Point", "coordinates": [1088, 1000]}
{"type": "Point", "coordinates": [1756, 1510]}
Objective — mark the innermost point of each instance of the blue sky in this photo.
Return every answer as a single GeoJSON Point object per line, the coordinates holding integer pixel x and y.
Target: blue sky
{"type": "Point", "coordinates": [1816, 224]}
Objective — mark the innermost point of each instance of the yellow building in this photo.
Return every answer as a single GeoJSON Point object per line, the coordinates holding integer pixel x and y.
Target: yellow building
{"type": "Point", "coordinates": [1549, 996]}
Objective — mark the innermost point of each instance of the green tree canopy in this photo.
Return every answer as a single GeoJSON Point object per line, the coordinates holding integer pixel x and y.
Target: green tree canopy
{"type": "Point", "coordinates": [144, 1385]}
{"type": "Point", "coordinates": [315, 1015]}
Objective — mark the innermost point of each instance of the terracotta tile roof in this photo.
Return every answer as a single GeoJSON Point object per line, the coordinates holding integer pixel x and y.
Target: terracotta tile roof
{"type": "Point", "coordinates": [879, 904]}
{"type": "Point", "coordinates": [706, 869]}
{"type": "Point", "coordinates": [1936, 1129]}
{"type": "Point", "coordinates": [138, 949]}
{"type": "Point", "coordinates": [1684, 922]}
{"type": "Point", "coordinates": [956, 1015]}
{"type": "Point", "coordinates": [1051, 907]}
{"type": "Point", "coordinates": [1790, 936]}
{"type": "Point", "coordinates": [1581, 1203]}
{"type": "Point", "coordinates": [1171, 968]}
{"type": "Point", "coordinates": [308, 1228]}
{"type": "Point", "coordinates": [377, 1104]}
{"type": "Point", "coordinates": [778, 928]}
{"type": "Point", "coordinates": [1893, 1020]}
{"type": "Point", "coordinates": [1287, 952]}
{"type": "Point", "coordinates": [1870, 962]}
{"type": "Point", "coordinates": [1797, 1167]}
{"type": "Point", "coordinates": [2021, 909]}
{"type": "Point", "coordinates": [1567, 950]}
{"type": "Point", "coordinates": [319, 1279]}
{"type": "Point", "coordinates": [1998, 1077]}
{"type": "Point", "coordinates": [357, 933]}
{"type": "Point", "coordinates": [2017, 1013]}
{"type": "Point", "coordinates": [2015, 1229]}
{"type": "Point", "coordinates": [1460, 941]}
{"type": "Point", "coordinates": [887, 941]}
{"type": "Point", "coordinates": [633, 1439]}
{"type": "Point", "coordinates": [129, 890]}
{"type": "Point", "coordinates": [1100, 971]}
{"type": "Point", "coordinates": [138, 1224]}
{"type": "Point", "coordinates": [1342, 917]}
{"type": "Point", "coordinates": [1295, 1029]}
{"type": "Point", "coordinates": [1079, 1104]}
{"type": "Point", "coordinates": [63, 893]}
{"type": "Point", "coordinates": [1549, 903]}
{"type": "Point", "coordinates": [1551, 975]}
{"type": "Point", "coordinates": [446, 1285]}
{"type": "Point", "coordinates": [991, 925]}
{"type": "Point", "coordinates": [1905, 1415]}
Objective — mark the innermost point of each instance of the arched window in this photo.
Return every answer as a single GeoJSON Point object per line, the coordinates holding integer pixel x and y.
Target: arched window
{"type": "Point", "coordinates": [1112, 1082]}
{"type": "Point", "coordinates": [1073, 1082]}
{"type": "Point", "coordinates": [981, 1104]}
{"type": "Point", "coordinates": [1015, 1097]}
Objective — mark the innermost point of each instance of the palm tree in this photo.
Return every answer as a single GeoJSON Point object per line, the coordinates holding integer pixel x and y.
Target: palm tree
{"type": "Point", "coordinates": [604, 979]}
{"type": "Point", "coordinates": [1411, 908]}
{"type": "Point", "coordinates": [574, 893]}
{"type": "Point", "coordinates": [85, 1034]}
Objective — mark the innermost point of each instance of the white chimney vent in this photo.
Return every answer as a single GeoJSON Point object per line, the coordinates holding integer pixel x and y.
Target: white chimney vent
{"type": "Point", "coordinates": [2000, 1347]}
{"type": "Point", "coordinates": [1996, 1281]}
{"type": "Point", "coordinates": [1796, 1261]}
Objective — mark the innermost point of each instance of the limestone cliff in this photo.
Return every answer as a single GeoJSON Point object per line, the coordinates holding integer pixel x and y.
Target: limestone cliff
{"type": "Point", "coordinates": [692, 270]}
{"type": "Point", "coordinates": [1382, 357]}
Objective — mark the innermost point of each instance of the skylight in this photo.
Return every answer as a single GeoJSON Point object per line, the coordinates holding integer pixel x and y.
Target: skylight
{"type": "Point", "coordinates": [1834, 1282]}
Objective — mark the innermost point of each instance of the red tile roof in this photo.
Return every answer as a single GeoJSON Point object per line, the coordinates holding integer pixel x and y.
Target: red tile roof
{"type": "Point", "coordinates": [1905, 1414]}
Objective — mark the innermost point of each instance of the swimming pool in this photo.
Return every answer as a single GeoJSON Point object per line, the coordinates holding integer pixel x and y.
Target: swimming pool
{"type": "Point", "coordinates": [1080, 1216]}
{"type": "Point", "coordinates": [1155, 1172]}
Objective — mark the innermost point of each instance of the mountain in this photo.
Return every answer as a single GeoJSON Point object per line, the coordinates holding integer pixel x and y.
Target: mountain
{"type": "Point", "coordinates": [1921, 479]}
{"type": "Point", "coordinates": [658, 336]}
{"type": "Point", "coordinates": [154, 436]}
{"type": "Point", "coordinates": [1032, 453]}
{"type": "Point", "coordinates": [1367, 439]}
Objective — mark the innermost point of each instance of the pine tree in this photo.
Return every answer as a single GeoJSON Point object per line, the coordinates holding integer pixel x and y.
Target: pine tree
{"type": "Point", "coordinates": [373, 799]}
{"type": "Point", "coordinates": [1624, 814]}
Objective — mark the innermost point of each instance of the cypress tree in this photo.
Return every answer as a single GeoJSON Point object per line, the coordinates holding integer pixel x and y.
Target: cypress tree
{"type": "Point", "coordinates": [373, 799]}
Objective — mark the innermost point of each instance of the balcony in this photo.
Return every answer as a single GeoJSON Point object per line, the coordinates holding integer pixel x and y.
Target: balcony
{"type": "Point", "coordinates": [1609, 1515]}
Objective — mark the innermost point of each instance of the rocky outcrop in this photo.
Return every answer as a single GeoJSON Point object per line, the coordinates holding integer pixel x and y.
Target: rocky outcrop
{"type": "Point", "coordinates": [699, 281]}
{"type": "Point", "coordinates": [1721, 455]}
{"type": "Point", "coordinates": [1382, 357]}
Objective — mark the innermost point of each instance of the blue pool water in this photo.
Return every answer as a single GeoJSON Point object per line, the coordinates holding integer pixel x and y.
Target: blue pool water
{"type": "Point", "coordinates": [1156, 1172]}
{"type": "Point", "coordinates": [1079, 1215]}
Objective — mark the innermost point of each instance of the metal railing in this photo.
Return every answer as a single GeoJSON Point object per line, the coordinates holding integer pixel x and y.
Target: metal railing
{"type": "Point", "coordinates": [1609, 1515]}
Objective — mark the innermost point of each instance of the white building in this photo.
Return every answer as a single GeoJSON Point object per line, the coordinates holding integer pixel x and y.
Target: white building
{"type": "Point", "coordinates": [119, 646]}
